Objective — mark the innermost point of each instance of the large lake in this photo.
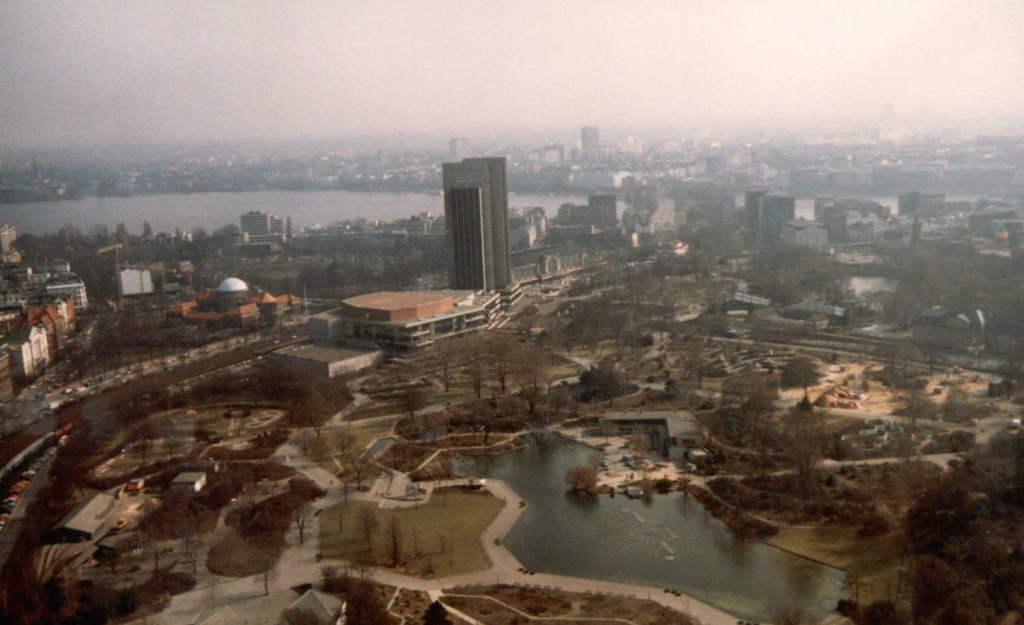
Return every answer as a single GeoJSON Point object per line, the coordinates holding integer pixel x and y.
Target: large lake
{"type": "Point", "coordinates": [670, 541]}
{"type": "Point", "coordinates": [214, 210]}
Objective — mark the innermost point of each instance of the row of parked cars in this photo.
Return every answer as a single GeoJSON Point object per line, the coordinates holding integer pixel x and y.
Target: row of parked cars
{"type": "Point", "coordinates": [19, 487]}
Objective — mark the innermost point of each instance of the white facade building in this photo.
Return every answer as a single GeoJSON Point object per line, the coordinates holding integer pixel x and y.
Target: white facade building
{"type": "Point", "coordinates": [70, 285]}
{"type": "Point", "coordinates": [30, 352]}
{"type": "Point", "coordinates": [136, 282]}
{"type": "Point", "coordinates": [261, 228]}
{"type": "Point", "coordinates": [803, 233]}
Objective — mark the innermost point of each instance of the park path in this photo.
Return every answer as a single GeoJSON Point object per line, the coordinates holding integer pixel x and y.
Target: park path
{"type": "Point", "coordinates": [299, 565]}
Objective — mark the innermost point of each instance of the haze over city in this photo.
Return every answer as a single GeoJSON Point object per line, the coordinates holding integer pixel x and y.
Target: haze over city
{"type": "Point", "coordinates": [129, 72]}
{"type": "Point", "coordinates": [692, 312]}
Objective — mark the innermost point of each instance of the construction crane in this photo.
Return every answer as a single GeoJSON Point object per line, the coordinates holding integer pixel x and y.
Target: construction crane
{"type": "Point", "coordinates": [116, 249]}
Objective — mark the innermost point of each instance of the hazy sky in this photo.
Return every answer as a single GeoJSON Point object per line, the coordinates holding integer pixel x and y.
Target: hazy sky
{"type": "Point", "coordinates": [135, 71]}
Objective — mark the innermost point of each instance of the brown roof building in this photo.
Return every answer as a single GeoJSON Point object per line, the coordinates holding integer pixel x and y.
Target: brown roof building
{"type": "Point", "coordinates": [234, 305]}
{"type": "Point", "coordinates": [402, 321]}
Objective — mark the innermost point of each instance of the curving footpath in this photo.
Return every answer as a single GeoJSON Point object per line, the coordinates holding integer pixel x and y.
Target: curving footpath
{"type": "Point", "coordinates": [298, 565]}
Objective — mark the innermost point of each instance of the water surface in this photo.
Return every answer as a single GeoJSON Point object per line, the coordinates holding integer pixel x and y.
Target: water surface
{"type": "Point", "coordinates": [214, 210]}
{"type": "Point", "coordinates": [669, 541]}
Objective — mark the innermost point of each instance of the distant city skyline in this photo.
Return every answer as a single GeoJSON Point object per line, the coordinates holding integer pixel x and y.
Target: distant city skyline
{"type": "Point", "coordinates": [92, 72]}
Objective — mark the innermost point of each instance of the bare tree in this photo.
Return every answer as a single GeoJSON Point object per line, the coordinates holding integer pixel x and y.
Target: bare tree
{"type": "Point", "coordinates": [413, 399]}
{"type": "Point", "coordinates": [360, 468]}
{"type": "Point", "coordinates": [318, 447]}
{"type": "Point", "coordinates": [267, 575]}
{"type": "Point", "coordinates": [474, 354]}
{"type": "Point", "coordinates": [345, 442]}
{"type": "Point", "coordinates": [529, 376]}
{"type": "Point", "coordinates": [692, 361]}
{"type": "Point", "coordinates": [396, 542]}
{"type": "Point", "coordinates": [368, 522]}
{"type": "Point", "coordinates": [191, 544]}
{"type": "Point", "coordinates": [806, 442]}
{"type": "Point", "coordinates": [363, 562]}
{"type": "Point", "coordinates": [916, 405]}
{"type": "Point", "coordinates": [300, 523]}
{"type": "Point", "coordinates": [444, 354]}
{"type": "Point", "coordinates": [581, 478]}
{"type": "Point", "coordinates": [304, 439]}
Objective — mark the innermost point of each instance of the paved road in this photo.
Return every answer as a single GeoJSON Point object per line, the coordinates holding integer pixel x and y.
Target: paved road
{"type": "Point", "coordinates": [12, 530]}
{"type": "Point", "coordinates": [97, 409]}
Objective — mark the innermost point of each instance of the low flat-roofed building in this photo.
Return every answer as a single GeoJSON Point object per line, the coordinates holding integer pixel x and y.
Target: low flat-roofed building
{"type": "Point", "coordinates": [86, 521]}
{"type": "Point", "coordinates": [739, 300]}
{"type": "Point", "coordinates": [402, 321]}
{"type": "Point", "coordinates": [190, 482]}
{"type": "Point", "coordinates": [326, 361]}
{"type": "Point", "coordinates": [674, 433]}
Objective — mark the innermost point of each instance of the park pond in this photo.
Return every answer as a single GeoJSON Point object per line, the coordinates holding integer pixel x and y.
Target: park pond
{"type": "Point", "coordinates": [668, 541]}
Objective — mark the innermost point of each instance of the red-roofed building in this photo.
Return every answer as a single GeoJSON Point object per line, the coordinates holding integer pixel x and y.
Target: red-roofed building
{"type": "Point", "coordinates": [234, 305]}
{"type": "Point", "coordinates": [246, 316]}
{"type": "Point", "coordinates": [55, 319]}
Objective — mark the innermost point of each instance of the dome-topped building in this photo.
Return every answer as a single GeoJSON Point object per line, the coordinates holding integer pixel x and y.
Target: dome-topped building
{"type": "Point", "coordinates": [234, 304]}
{"type": "Point", "coordinates": [232, 292]}
{"type": "Point", "coordinates": [232, 285]}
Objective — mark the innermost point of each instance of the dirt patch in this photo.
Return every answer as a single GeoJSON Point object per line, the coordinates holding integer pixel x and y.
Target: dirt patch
{"type": "Point", "coordinates": [872, 564]}
{"type": "Point", "coordinates": [411, 604]}
{"type": "Point", "coordinates": [260, 447]}
{"type": "Point", "coordinates": [558, 604]}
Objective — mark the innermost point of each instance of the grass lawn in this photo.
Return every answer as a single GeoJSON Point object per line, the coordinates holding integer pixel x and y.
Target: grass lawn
{"type": "Point", "coordinates": [873, 561]}
{"type": "Point", "coordinates": [438, 539]}
{"type": "Point", "coordinates": [375, 410]}
{"type": "Point", "coordinates": [362, 437]}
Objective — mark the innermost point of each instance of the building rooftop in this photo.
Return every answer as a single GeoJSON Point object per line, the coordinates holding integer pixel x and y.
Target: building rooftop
{"type": "Point", "coordinates": [678, 422]}
{"type": "Point", "coordinates": [87, 516]}
{"type": "Point", "coordinates": [320, 353]}
{"type": "Point", "coordinates": [190, 477]}
{"type": "Point", "coordinates": [324, 608]}
{"type": "Point", "coordinates": [232, 285]}
{"type": "Point", "coordinates": [399, 300]}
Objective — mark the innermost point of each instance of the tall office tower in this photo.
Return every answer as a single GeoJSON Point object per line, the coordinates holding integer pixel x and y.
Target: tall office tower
{"type": "Point", "coordinates": [603, 210]}
{"type": "Point", "coordinates": [590, 138]}
{"type": "Point", "coordinates": [262, 229]}
{"type": "Point", "coordinates": [912, 202]}
{"type": "Point", "coordinates": [752, 207]}
{"type": "Point", "coordinates": [776, 210]}
{"type": "Point", "coordinates": [476, 217]}
{"type": "Point", "coordinates": [8, 234]}
{"type": "Point", "coordinates": [823, 204]}
{"type": "Point", "coordinates": [458, 149]}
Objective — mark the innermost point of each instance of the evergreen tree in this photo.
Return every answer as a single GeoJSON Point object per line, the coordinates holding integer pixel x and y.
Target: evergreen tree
{"type": "Point", "coordinates": [436, 615]}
